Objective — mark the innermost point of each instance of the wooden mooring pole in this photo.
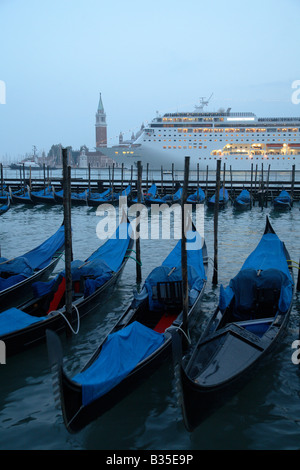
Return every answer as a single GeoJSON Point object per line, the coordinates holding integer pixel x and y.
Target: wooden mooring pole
{"type": "Point", "coordinates": [216, 214]}
{"type": "Point", "coordinates": [184, 225]}
{"type": "Point", "coordinates": [293, 183]}
{"type": "Point", "coordinates": [138, 226]}
{"type": "Point", "coordinates": [2, 184]}
{"type": "Point", "coordinates": [68, 232]}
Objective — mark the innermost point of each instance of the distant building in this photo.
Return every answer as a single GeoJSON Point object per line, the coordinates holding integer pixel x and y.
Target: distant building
{"type": "Point", "coordinates": [98, 160]}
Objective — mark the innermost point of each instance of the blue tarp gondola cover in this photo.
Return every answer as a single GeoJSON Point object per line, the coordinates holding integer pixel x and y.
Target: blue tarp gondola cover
{"type": "Point", "coordinates": [121, 352]}
{"type": "Point", "coordinates": [266, 264]}
{"type": "Point", "coordinates": [38, 258]}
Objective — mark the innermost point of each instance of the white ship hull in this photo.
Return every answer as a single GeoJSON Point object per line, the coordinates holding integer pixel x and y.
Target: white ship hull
{"type": "Point", "coordinates": [158, 158]}
{"type": "Point", "coordinates": [239, 140]}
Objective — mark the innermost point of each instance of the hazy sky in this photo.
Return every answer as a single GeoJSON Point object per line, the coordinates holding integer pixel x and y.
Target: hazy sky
{"type": "Point", "coordinates": [56, 57]}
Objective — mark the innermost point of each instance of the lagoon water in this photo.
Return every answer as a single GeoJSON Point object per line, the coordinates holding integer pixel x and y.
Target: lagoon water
{"type": "Point", "coordinates": [264, 415]}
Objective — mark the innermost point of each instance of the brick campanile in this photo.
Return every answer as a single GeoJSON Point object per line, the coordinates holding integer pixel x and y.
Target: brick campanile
{"type": "Point", "coordinates": [101, 126]}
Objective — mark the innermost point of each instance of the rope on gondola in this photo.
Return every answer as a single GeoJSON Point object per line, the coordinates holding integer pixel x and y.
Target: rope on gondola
{"type": "Point", "coordinates": [291, 261]}
{"type": "Point", "coordinates": [180, 329]}
{"type": "Point", "coordinates": [140, 263]}
{"type": "Point", "coordinates": [67, 321]}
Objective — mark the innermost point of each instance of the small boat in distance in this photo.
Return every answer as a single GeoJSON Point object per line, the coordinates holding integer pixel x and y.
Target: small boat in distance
{"type": "Point", "coordinates": [243, 200]}
{"type": "Point", "coordinates": [22, 196]}
{"type": "Point", "coordinates": [283, 201]}
{"type": "Point", "coordinates": [5, 207]}
{"type": "Point", "coordinates": [250, 320]}
{"type": "Point", "coordinates": [197, 198]}
{"type": "Point", "coordinates": [44, 196]}
{"type": "Point", "coordinates": [223, 199]}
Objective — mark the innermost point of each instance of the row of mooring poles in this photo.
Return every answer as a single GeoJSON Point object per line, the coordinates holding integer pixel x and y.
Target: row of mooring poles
{"type": "Point", "coordinates": [184, 225]}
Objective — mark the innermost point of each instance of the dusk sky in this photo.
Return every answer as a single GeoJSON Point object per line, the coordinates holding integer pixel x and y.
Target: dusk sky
{"type": "Point", "coordinates": [144, 57]}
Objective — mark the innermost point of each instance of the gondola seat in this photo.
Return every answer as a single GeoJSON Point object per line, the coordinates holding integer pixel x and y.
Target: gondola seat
{"type": "Point", "coordinates": [52, 293]}
{"type": "Point", "coordinates": [256, 293]}
{"type": "Point", "coordinates": [169, 294]}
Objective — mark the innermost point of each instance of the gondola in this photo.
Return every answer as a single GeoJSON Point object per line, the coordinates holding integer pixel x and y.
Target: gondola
{"type": "Point", "coordinates": [44, 196]}
{"type": "Point", "coordinates": [92, 281]}
{"type": "Point", "coordinates": [108, 197]}
{"type": "Point", "coordinates": [137, 344]}
{"type": "Point", "coordinates": [223, 199]}
{"type": "Point", "coordinates": [197, 198]}
{"type": "Point", "coordinates": [167, 199]}
{"type": "Point", "coordinates": [77, 199]}
{"type": "Point", "coordinates": [250, 320]}
{"type": "Point", "coordinates": [3, 196]}
{"type": "Point", "coordinates": [243, 200]}
{"type": "Point", "coordinates": [21, 196]}
{"type": "Point", "coordinates": [283, 201]}
{"type": "Point", "coordinates": [17, 274]}
{"type": "Point", "coordinates": [94, 199]}
{"type": "Point", "coordinates": [147, 197]}
{"type": "Point", "coordinates": [124, 193]}
{"type": "Point", "coordinates": [5, 207]}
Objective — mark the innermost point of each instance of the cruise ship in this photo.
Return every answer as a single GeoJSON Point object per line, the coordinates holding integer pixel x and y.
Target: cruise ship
{"type": "Point", "coordinates": [238, 139]}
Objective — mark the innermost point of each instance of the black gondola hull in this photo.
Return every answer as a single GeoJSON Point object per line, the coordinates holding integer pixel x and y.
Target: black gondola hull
{"type": "Point", "coordinates": [198, 402]}
{"type": "Point", "coordinates": [43, 199]}
{"type": "Point", "coordinates": [74, 201]}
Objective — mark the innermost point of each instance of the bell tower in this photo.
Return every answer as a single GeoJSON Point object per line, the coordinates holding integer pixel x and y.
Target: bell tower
{"type": "Point", "coordinates": [101, 126]}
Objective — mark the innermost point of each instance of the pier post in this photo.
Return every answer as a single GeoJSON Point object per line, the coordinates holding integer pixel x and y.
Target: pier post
{"type": "Point", "coordinates": [216, 213]}
{"type": "Point", "coordinates": [122, 176]}
{"type": "Point", "coordinates": [197, 182]}
{"type": "Point", "coordinates": [184, 225]}
{"type": "Point", "coordinates": [24, 181]}
{"type": "Point", "coordinates": [293, 183]}
{"type": "Point", "coordinates": [1, 166]}
{"type": "Point", "coordinates": [251, 195]}
{"type": "Point", "coordinates": [44, 173]}
{"type": "Point", "coordinates": [232, 193]}
{"type": "Point", "coordinates": [147, 182]}
{"type": "Point", "coordinates": [255, 179]}
{"type": "Point", "coordinates": [138, 226]}
{"type": "Point", "coordinates": [267, 190]}
{"type": "Point", "coordinates": [298, 280]}
{"type": "Point", "coordinates": [172, 181]}
{"type": "Point", "coordinates": [68, 231]}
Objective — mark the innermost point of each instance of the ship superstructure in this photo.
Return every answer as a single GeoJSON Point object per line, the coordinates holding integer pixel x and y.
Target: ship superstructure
{"type": "Point", "coordinates": [237, 138]}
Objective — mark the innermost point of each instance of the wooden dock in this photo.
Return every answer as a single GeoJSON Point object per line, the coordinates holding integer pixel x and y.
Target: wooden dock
{"type": "Point", "coordinates": [259, 181]}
